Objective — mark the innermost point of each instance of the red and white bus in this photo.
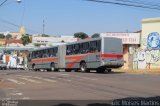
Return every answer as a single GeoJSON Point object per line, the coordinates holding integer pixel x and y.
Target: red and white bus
{"type": "Point", "coordinates": [101, 54]}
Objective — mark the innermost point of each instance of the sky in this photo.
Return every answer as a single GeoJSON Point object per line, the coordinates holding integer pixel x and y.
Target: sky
{"type": "Point", "coordinates": [66, 17]}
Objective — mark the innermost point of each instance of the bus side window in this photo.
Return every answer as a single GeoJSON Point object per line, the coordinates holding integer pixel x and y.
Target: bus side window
{"type": "Point", "coordinates": [76, 48]}
{"type": "Point", "coordinates": [33, 55]}
{"type": "Point", "coordinates": [37, 54]}
{"type": "Point", "coordinates": [93, 46]}
{"type": "Point", "coordinates": [45, 53]}
{"type": "Point", "coordinates": [84, 48]}
{"type": "Point", "coordinates": [40, 54]}
{"type": "Point", "coordinates": [69, 50]}
{"type": "Point", "coordinates": [99, 45]}
{"type": "Point", "coordinates": [51, 51]}
{"type": "Point", "coordinates": [55, 50]}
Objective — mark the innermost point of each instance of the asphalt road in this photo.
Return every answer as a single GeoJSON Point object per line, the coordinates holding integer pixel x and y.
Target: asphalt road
{"type": "Point", "coordinates": [27, 85]}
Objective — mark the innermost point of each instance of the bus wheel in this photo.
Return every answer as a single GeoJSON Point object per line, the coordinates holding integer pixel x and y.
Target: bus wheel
{"type": "Point", "coordinates": [33, 68]}
{"type": "Point", "coordinates": [83, 67]}
{"type": "Point", "coordinates": [68, 70]}
{"type": "Point", "coordinates": [100, 70]}
{"type": "Point", "coordinates": [109, 70]}
{"type": "Point", "coordinates": [52, 68]}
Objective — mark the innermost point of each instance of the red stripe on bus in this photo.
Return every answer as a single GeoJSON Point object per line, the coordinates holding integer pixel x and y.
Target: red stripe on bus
{"type": "Point", "coordinates": [44, 60]}
{"type": "Point", "coordinates": [112, 55]}
{"type": "Point", "coordinates": [75, 59]}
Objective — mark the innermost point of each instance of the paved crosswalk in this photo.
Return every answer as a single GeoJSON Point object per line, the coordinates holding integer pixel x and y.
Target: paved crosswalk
{"type": "Point", "coordinates": [28, 79]}
{"type": "Point", "coordinates": [15, 81]}
{"type": "Point", "coordinates": [22, 80]}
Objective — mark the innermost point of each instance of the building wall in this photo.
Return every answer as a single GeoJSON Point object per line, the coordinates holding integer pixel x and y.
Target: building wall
{"type": "Point", "coordinates": [150, 43]}
{"type": "Point", "coordinates": [126, 57]}
{"type": "Point", "coordinates": [2, 41]}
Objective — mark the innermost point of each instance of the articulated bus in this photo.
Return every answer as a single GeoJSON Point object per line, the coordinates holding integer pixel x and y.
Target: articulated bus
{"type": "Point", "coordinates": [101, 54]}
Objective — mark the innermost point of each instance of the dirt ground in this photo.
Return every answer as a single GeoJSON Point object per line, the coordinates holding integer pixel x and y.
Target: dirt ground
{"type": "Point", "coordinates": [145, 71]}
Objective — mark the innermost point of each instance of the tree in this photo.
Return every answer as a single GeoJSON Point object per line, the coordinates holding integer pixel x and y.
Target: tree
{"type": "Point", "coordinates": [25, 39]}
{"type": "Point", "coordinates": [37, 45]}
{"type": "Point", "coordinates": [62, 41]}
{"type": "Point", "coordinates": [2, 36]}
{"type": "Point", "coordinates": [81, 35]}
{"type": "Point", "coordinates": [8, 36]}
{"type": "Point", "coordinates": [44, 35]}
{"type": "Point", "coordinates": [96, 35]}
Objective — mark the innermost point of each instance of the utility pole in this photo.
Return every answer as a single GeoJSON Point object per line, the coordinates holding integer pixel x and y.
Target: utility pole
{"type": "Point", "coordinates": [43, 25]}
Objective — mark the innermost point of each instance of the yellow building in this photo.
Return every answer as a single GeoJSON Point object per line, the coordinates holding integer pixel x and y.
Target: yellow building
{"type": "Point", "coordinates": [2, 42]}
{"type": "Point", "coordinates": [149, 54]}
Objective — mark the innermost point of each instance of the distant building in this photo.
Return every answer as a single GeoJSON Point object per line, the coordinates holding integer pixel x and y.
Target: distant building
{"type": "Point", "coordinates": [50, 41]}
{"type": "Point", "coordinates": [2, 42]}
{"type": "Point", "coordinates": [16, 35]}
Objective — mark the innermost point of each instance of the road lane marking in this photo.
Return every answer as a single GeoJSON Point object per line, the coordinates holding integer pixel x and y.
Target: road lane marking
{"type": "Point", "coordinates": [5, 99]}
{"type": "Point", "coordinates": [86, 78]}
{"type": "Point", "coordinates": [89, 78]}
{"type": "Point", "coordinates": [15, 81]}
{"type": "Point", "coordinates": [68, 80]}
{"type": "Point", "coordinates": [49, 80]}
{"type": "Point", "coordinates": [23, 76]}
{"type": "Point", "coordinates": [64, 74]}
{"type": "Point", "coordinates": [31, 80]}
{"type": "Point", "coordinates": [18, 94]}
{"type": "Point", "coordinates": [26, 98]}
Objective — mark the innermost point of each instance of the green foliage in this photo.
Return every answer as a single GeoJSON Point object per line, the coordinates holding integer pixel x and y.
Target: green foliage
{"type": "Point", "coordinates": [62, 41]}
{"type": "Point", "coordinates": [96, 35]}
{"type": "Point", "coordinates": [37, 45]}
{"type": "Point", "coordinates": [28, 34]}
{"type": "Point", "coordinates": [8, 36]}
{"type": "Point", "coordinates": [25, 40]}
{"type": "Point", "coordinates": [2, 36]}
{"type": "Point", "coordinates": [81, 35]}
{"type": "Point", "coordinates": [44, 35]}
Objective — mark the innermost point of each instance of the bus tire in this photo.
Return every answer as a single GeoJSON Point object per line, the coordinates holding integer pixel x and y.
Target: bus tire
{"type": "Point", "coordinates": [83, 67]}
{"type": "Point", "coordinates": [33, 67]}
{"type": "Point", "coordinates": [100, 70]}
{"type": "Point", "coordinates": [53, 68]}
{"type": "Point", "coordinates": [109, 70]}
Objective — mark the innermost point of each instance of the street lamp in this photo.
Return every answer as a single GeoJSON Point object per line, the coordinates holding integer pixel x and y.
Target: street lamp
{"type": "Point", "coordinates": [19, 1]}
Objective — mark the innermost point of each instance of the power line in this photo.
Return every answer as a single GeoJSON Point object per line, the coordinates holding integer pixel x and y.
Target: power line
{"type": "Point", "coordinates": [140, 2]}
{"type": "Point", "coordinates": [17, 26]}
{"type": "Point", "coordinates": [125, 4]}
{"type": "Point", "coordinates": [3, 2]}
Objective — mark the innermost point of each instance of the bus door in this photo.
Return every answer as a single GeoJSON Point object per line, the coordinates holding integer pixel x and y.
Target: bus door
{"type": "Point", "coordinates": [29, 60]}
{"type": "Point", "coordinates": [61, 56]}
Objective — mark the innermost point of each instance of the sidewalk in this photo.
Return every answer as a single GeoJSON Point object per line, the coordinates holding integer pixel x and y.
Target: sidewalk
{"type": "Point", "coordinates": [145, 71]}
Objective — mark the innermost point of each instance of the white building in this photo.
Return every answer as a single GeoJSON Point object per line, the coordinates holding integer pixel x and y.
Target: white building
{"type": "Point", "coordinates": [47, 41]}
